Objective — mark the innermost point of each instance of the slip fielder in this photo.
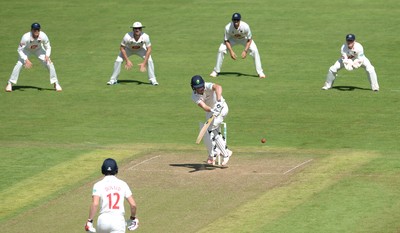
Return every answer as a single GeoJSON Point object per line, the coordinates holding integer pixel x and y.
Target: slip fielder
{"type": "Point", "coordinates": [238, 32]}
{"type": "Point", "coordinates": [352, 58]}
{"type": "Point", "coordinates": [135, 42]}
{"type": "Point", "coordinates": [35, 43]}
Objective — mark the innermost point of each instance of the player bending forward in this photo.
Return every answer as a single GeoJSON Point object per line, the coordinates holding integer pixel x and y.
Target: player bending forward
{"type": "Point", "coordinates": [238, 32]}
{"type": "Point", "coordinates": [135, 42]}
{"type": "Point", "coordinates": [35, 43]}
{"type": "Point", "coordinates": [109, 193]}
{"type": "Point", "coordinates": [208, 96]}
{"type": "Point", "coordinates": [352, 58]}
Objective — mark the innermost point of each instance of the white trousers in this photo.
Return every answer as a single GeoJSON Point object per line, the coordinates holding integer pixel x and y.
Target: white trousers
{"type": "Point", "coordinates": [139, 52]}
{"type": "Point", "coordinates": [111, 223]}
{"type": "Point", "coordinates": [369, 69]}
{"type": "Point", "coordinates": [40, 54]}
{"type": "Point", "coordinates": [253, 52]}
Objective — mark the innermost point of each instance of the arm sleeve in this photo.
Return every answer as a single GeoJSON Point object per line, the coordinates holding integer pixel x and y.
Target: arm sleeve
{"type": "Point", "coordinates": [147, 41]}
{"type": "Point", "coordinates": [47, 46]}
{"type": "Point", "coordinates": [20, 50]}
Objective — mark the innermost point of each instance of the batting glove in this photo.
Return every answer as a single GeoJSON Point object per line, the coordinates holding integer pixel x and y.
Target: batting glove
{"type": "Point", "coordinates": [217, 108]}
{"type": "Point", "coordinates": [89, 226]}
{"type": "Point", "coordinates": [133, 223]}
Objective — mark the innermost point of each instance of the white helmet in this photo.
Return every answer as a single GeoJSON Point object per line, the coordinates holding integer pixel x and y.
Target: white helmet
{"type": "Point", "coordinates": [137, 25]}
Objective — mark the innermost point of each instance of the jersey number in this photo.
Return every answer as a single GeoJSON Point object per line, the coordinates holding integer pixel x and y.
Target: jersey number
{"type": "Point", "coordinates": [34, 46]}
{"type": "Point", "coordinates": [110, 201]}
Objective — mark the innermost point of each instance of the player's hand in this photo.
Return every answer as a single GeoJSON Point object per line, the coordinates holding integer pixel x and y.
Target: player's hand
{"type": "Point", "coordinates": [47, 59]}
{"type": "Point", "coordinates": [132, 224]}
{"type": "Point", "coordinates": [89, 226]}
{"type": "Point", "coordinates": [233, 55]}
{"type": "Point", "coordinates": [28, 64]}
{"type": "Point", "coordinates": [357, 63]}
{"type": "Point", "coordinates": [217, 108]}
{"type": "Point", "coordinates": [128, 65]}
{"type": "Point", "coordinates": [142, 67]}
{"type": "Point", "coordinates": [348, 64]}
{"type": "Point", "coordinates": [244, 54]}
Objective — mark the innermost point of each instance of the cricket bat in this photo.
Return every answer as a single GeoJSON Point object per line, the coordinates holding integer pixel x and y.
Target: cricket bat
{"type": "Point", "coordinates": [204, 129]}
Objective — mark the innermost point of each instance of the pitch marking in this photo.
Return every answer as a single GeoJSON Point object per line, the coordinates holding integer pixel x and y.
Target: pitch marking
{"type": "Point", "coordinates": [144, 161]}
{"type": "Point", "coordinates": [299, 165]}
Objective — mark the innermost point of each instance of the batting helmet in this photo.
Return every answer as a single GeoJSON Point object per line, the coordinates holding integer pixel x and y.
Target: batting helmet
{"type": "Point", "coordinates": [35, 26]}
{"type": "Point", "coordinates": [350, 37]}
{"type": "Point", "coordinates": [197, 82]}
{"type": "Point", "coordinates": [109, 167]}
{"type": "Point", "coordinates": [236, 16]}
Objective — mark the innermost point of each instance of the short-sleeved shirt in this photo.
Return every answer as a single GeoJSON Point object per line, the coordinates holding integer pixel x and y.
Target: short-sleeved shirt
{"type": "Point", "coordinates": [129, 41]}
{"type": "Point", "coordinates": [357, 52]}
{"type": "Point", "coordinates": [208, 97]}
{"type": "Point", "coordinates": [33, 44]}
{"type": "Point", "coordinates": [243, 32]}
{"type": "Point", "coordinates": [112, 192]}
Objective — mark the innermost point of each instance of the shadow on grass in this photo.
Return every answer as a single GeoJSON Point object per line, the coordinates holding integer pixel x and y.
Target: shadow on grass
{"type": "Point", "coordinates": [22, 88]}
{"type": "Point", "coordinates": [237, 74]}
{"type": "Point", "coordinates": [349, 88]}
{"type": "Point", "coordinates": [198, 166]}
{"type": "Point", "coordinates": [133, 81]}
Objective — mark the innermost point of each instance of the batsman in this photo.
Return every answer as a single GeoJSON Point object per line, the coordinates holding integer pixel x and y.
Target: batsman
{"type": "Point", "coordinates": [208, 96]}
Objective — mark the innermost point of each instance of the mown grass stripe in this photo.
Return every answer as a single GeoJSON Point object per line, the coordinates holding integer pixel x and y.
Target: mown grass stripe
{"type": "Point", "coordinates": [321, 174]}
{"type": "Point", "coordinates": [54, 179]}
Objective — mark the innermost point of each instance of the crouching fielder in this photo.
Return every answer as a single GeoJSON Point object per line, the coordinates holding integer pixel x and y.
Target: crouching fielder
{"type": "Point", "coordinates": [352, 58]}
{"type": "Point", "coordinates": [208, 96]}
{"type": "Point", "coordinates": [34, 43]}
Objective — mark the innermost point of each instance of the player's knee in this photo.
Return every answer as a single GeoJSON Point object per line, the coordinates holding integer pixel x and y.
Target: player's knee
{"type": "Point", "coordinates": [333, 69]}
{"type": "Point", "coordinates": [119, 59]}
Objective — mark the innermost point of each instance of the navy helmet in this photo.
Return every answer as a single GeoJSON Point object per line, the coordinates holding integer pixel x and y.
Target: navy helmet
{"type": "Point", "coordinates": [109, 167]}
{"type": "Point", "coordinates": [350, 37]}
{"type": "Point", "coordinates": [197, 82]}
{"type": "Point", "coordinates": [236, 16]}
{"type": "Point", "coordinates": [35, 26]}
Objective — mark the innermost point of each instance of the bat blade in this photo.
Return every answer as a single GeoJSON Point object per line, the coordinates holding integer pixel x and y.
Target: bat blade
{"type": "Point", "coordinates": [204, 129]}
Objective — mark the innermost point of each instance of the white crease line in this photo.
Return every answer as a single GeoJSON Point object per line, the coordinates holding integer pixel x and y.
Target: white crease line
{"type": "Point", "coordinates": [299, 165]}
{"type": "Point", "coordinates": [144, 161]}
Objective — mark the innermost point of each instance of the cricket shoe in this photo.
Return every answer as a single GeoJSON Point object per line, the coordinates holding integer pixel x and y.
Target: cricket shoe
{"type": "Point", "coordinates": [9, 87]}
{"type": "Point", "coordinates": [211, 160]}
{"type": "Point", "coordinates": [326, 87]}
{"type": "Point", "coordinates": [57, 86]}
{"type": "Point", "coordinates": [226, 159]}
{"type": "Point", "coordinates": [112, 82]}
{"type": "Point", "coordinates": [261, 75]}
{"type": "Point", "coordinates": [154, 82]}
{"type": "Point", "coordinates": [214, 74]}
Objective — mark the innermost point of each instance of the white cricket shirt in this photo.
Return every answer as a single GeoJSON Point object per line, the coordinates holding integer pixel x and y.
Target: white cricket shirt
{"type": "Point", "coordinates": [31, 44]}
{"type": "Point", "coordinates": [129, 41]}
{"type": "Point", "coordinates": [357, 52]}
{"type": "Point", "coordinates": [112, 192]}
{"type": "Point", "coordinates": [242, 33]}
{"type": "Point", "coordinates": [208, 97]}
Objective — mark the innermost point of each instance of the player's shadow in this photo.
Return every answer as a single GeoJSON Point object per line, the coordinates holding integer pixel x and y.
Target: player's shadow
{"type": "Point", "coordinates": [350, 88]}
{"type": "Point", "coordinates": [196, 167]}
{"type": "Point", "coordinates": [237, 74]}
{"type": "Point", "coordinates": [133, 81]}
{"type": "Point", "coordinates": [23, 88]}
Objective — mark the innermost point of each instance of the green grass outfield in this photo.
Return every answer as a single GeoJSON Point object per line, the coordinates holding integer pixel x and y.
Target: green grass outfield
{"type": "Point", "coordinates": [331, 161]}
